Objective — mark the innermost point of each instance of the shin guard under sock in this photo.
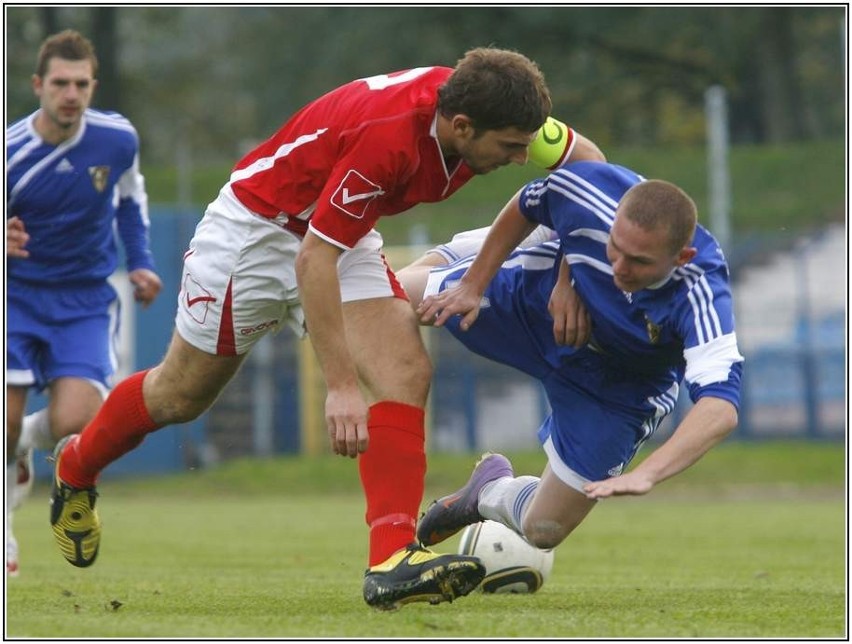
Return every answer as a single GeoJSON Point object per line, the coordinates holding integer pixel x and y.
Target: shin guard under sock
{"type": "Point", "coordinates": [507, 499]}
{"type": "Point", "coordinates": [119, 426]}
{"type": "Point", "coordinates": [392, 472]}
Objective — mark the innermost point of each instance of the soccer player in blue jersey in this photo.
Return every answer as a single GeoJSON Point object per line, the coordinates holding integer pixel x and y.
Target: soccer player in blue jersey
{"type": "Point", "coordinates": [630, 299]}
{"type": "Point", "coordinates": [72, 179]}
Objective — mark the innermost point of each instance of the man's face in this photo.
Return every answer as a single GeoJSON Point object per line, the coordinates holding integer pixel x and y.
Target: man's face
{"type": "Point", "coordinates": [65, 92]}
{"type": "Point", "coordinates": [641, 257]}
{"type": "Point", "coordinates": [493, 148]}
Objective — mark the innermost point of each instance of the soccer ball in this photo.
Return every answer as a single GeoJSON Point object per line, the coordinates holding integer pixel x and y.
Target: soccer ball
{"type": "Point", "coordinates": [511, 564]}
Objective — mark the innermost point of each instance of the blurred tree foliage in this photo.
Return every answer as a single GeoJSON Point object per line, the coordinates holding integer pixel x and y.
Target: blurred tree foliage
{"type": "Point", "coordinates": [216, 79]}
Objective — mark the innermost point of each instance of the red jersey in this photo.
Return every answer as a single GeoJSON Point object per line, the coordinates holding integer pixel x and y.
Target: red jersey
{"type": "Point", "coordinates": [365, 150]}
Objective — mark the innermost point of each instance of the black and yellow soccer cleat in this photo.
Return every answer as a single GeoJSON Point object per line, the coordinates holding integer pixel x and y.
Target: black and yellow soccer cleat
{"type": "Point", "coordinates": [415, 574]}
{"type": "Point", "coordinates": [75, 522]}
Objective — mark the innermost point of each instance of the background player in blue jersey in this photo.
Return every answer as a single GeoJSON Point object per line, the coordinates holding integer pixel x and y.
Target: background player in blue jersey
{"type": "Point", "coordinates": [72, 179]}
{"type": "Point", "coordinates": [632, 298]}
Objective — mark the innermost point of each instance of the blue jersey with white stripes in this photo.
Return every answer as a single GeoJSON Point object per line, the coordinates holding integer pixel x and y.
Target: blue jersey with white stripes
{"type": "Point", "coordinates": [681, 327]}
{"type": "Point", "coordinates": [71, 198]}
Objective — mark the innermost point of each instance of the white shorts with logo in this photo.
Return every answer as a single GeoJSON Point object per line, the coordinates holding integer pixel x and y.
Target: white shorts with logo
{"type": "Point", "coordinates": [239, 278]}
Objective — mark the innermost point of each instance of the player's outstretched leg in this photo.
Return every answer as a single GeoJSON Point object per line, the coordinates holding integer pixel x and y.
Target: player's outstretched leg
{"type": "Point", "coordinates": [415, 574]}
{"type": "Point", "coordinates": [76, 525]}
{"type": "Point", "coordinates": [451, 513]}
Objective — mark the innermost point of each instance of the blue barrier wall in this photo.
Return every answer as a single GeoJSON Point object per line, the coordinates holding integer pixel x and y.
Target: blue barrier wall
{"type": "Point", "coordinates": [794, 387]}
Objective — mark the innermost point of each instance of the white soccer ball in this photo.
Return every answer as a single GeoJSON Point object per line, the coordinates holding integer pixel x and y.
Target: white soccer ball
{"type": "Point", "coordinates": [511, 564]}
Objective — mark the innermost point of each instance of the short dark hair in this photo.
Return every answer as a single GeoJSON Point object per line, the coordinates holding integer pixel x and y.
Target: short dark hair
{"type": "Point", "coordinates": [496, 89]}
{"type": "Point", "coordinates": [68, 45]}
{"type": "Point", "coordinates": [654, 204]}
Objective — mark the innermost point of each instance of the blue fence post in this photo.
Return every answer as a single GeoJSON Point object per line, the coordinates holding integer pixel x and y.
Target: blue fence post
{"type": "Point", "coordinates": [470, 411]}
{"type": "Point", "coordinates": [744, 414]}
{"type": "Point", "coordinates": [806, 344]}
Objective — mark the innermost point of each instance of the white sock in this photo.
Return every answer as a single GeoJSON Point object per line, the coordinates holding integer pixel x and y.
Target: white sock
{"type": "Point", "coordinates": [35, 432]}
{"type": "Point", "coordinates": [506, 500]}
{"type": "Point", "coordinates": [11, 542]}
{"type": "Point", "coordinates": [468, 243]}
{"type": "Point", "coordinates": [540, 235]}
{"type": "Point", "coordinates": [463, 244]}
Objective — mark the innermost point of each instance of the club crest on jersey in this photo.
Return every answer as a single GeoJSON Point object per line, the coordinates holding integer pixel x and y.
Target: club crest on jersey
{"type": "Point", "coordinates": [355, 194]}
{"type": "Point", "coordinates": [653, 331]}
{"type": "Point", "coordinates": [99, 175]}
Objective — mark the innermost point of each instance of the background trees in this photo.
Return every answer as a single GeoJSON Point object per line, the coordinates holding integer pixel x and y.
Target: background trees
{"type": "Point", "coordinates": [214, 79]}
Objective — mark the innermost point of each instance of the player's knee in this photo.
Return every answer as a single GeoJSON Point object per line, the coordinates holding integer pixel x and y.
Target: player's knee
{"type": "Point", "coordinates": [69, 417]}
{"type": "Point", "coordinates": [416, 375]}
{"type": "Point", "coordinates": [544, 534]}
{"type": "Point", "coordinates": [65, 426]}
{"type": "Point", "coordinates": [407, 381]}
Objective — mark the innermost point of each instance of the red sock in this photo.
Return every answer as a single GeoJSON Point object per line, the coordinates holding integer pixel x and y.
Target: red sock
{"type": "Point", "coordinates": [392, 473]}
{"type": "Point", "coordinates": [120, 425]}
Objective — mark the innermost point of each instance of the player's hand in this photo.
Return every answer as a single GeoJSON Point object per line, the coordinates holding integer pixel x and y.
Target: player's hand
{"type": "Point", "coordinates": [146, 284]}
{"type": "Point", "coordinates": [461, 300]}
{"type": "Point", "coordinates": [346, 421]}
{"type": "Point", "coordinates": [572, 325]}
{"type": "Point", "coordinates": [16, 238]}
{"type": "Point", "coordinates": [630, 484]}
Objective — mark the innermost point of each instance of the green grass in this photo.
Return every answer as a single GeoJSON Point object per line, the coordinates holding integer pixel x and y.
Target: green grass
{"type": "Point", "coordinates": [779, 189]}
{"type": "Point", "coordinates": [749, 543]}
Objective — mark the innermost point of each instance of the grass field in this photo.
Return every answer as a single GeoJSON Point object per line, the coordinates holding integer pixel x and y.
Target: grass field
{"type": "Point", "coordinates": [750, 543]}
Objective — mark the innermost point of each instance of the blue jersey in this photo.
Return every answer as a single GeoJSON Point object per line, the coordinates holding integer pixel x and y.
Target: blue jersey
{"type": "Point", "coordinates": [681, 327]}
{"type": "Point", "coordinates": [72, 196]}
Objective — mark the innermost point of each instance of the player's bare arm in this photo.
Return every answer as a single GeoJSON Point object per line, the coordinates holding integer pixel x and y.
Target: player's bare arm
{"type": "Point", "coordinates": [706, 425]}
{"type": "Point", "coordinates": [508, 230]}
{"type": "Point", "coordinates": [345, 407]}
{"type": "Point", "coordinates": [572, 325]}
{"type": "Point", "coordinates": [16, 238]}
{"type": "Point", "coordinates": [585, 150]}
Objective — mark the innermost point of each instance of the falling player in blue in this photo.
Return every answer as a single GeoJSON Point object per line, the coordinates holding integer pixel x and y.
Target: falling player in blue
{"type": "Point", "coordinates": [631, 298]}
{"type": "Point", "coordinates": [72, 179]}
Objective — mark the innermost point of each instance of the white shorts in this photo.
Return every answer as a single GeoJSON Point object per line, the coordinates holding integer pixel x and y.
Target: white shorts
{"type": "Point", "coordinates": [239, 278]}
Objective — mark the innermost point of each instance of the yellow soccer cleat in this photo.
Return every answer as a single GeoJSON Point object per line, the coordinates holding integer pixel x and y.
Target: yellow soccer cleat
{"type": "Point", "coordinates": [75, 522]}
{"type": "Point", "coordinates": [415, 574]}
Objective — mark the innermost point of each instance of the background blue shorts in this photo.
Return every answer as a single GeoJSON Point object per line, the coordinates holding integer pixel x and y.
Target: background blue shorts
{"type": "Point", "coordinates": [55, 332]}
{"type": "Point", "coordinates": [600, 415]}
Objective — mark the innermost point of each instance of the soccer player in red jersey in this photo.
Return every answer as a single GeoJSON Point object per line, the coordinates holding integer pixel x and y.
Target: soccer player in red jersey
{"type": "Point", "coordinates": [290, 240]}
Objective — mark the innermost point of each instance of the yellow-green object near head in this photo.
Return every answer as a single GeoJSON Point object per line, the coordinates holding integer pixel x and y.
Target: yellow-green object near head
{"type": "Point", "coordinates": [552, 144]}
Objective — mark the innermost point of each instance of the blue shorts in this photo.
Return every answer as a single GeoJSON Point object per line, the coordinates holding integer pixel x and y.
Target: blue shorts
{"type": "Point", "coordinates": [61, 332]}
{"type": "Point", "coordinates": [600, 415]}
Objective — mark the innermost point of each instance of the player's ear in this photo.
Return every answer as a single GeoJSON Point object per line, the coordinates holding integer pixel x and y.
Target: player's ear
{"type": "Point", "coordinates": [37, 84]}
{"type": "Point", "coordinates": [462, 126]}
{"type": "Point", "coordinates": [685, 255]}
